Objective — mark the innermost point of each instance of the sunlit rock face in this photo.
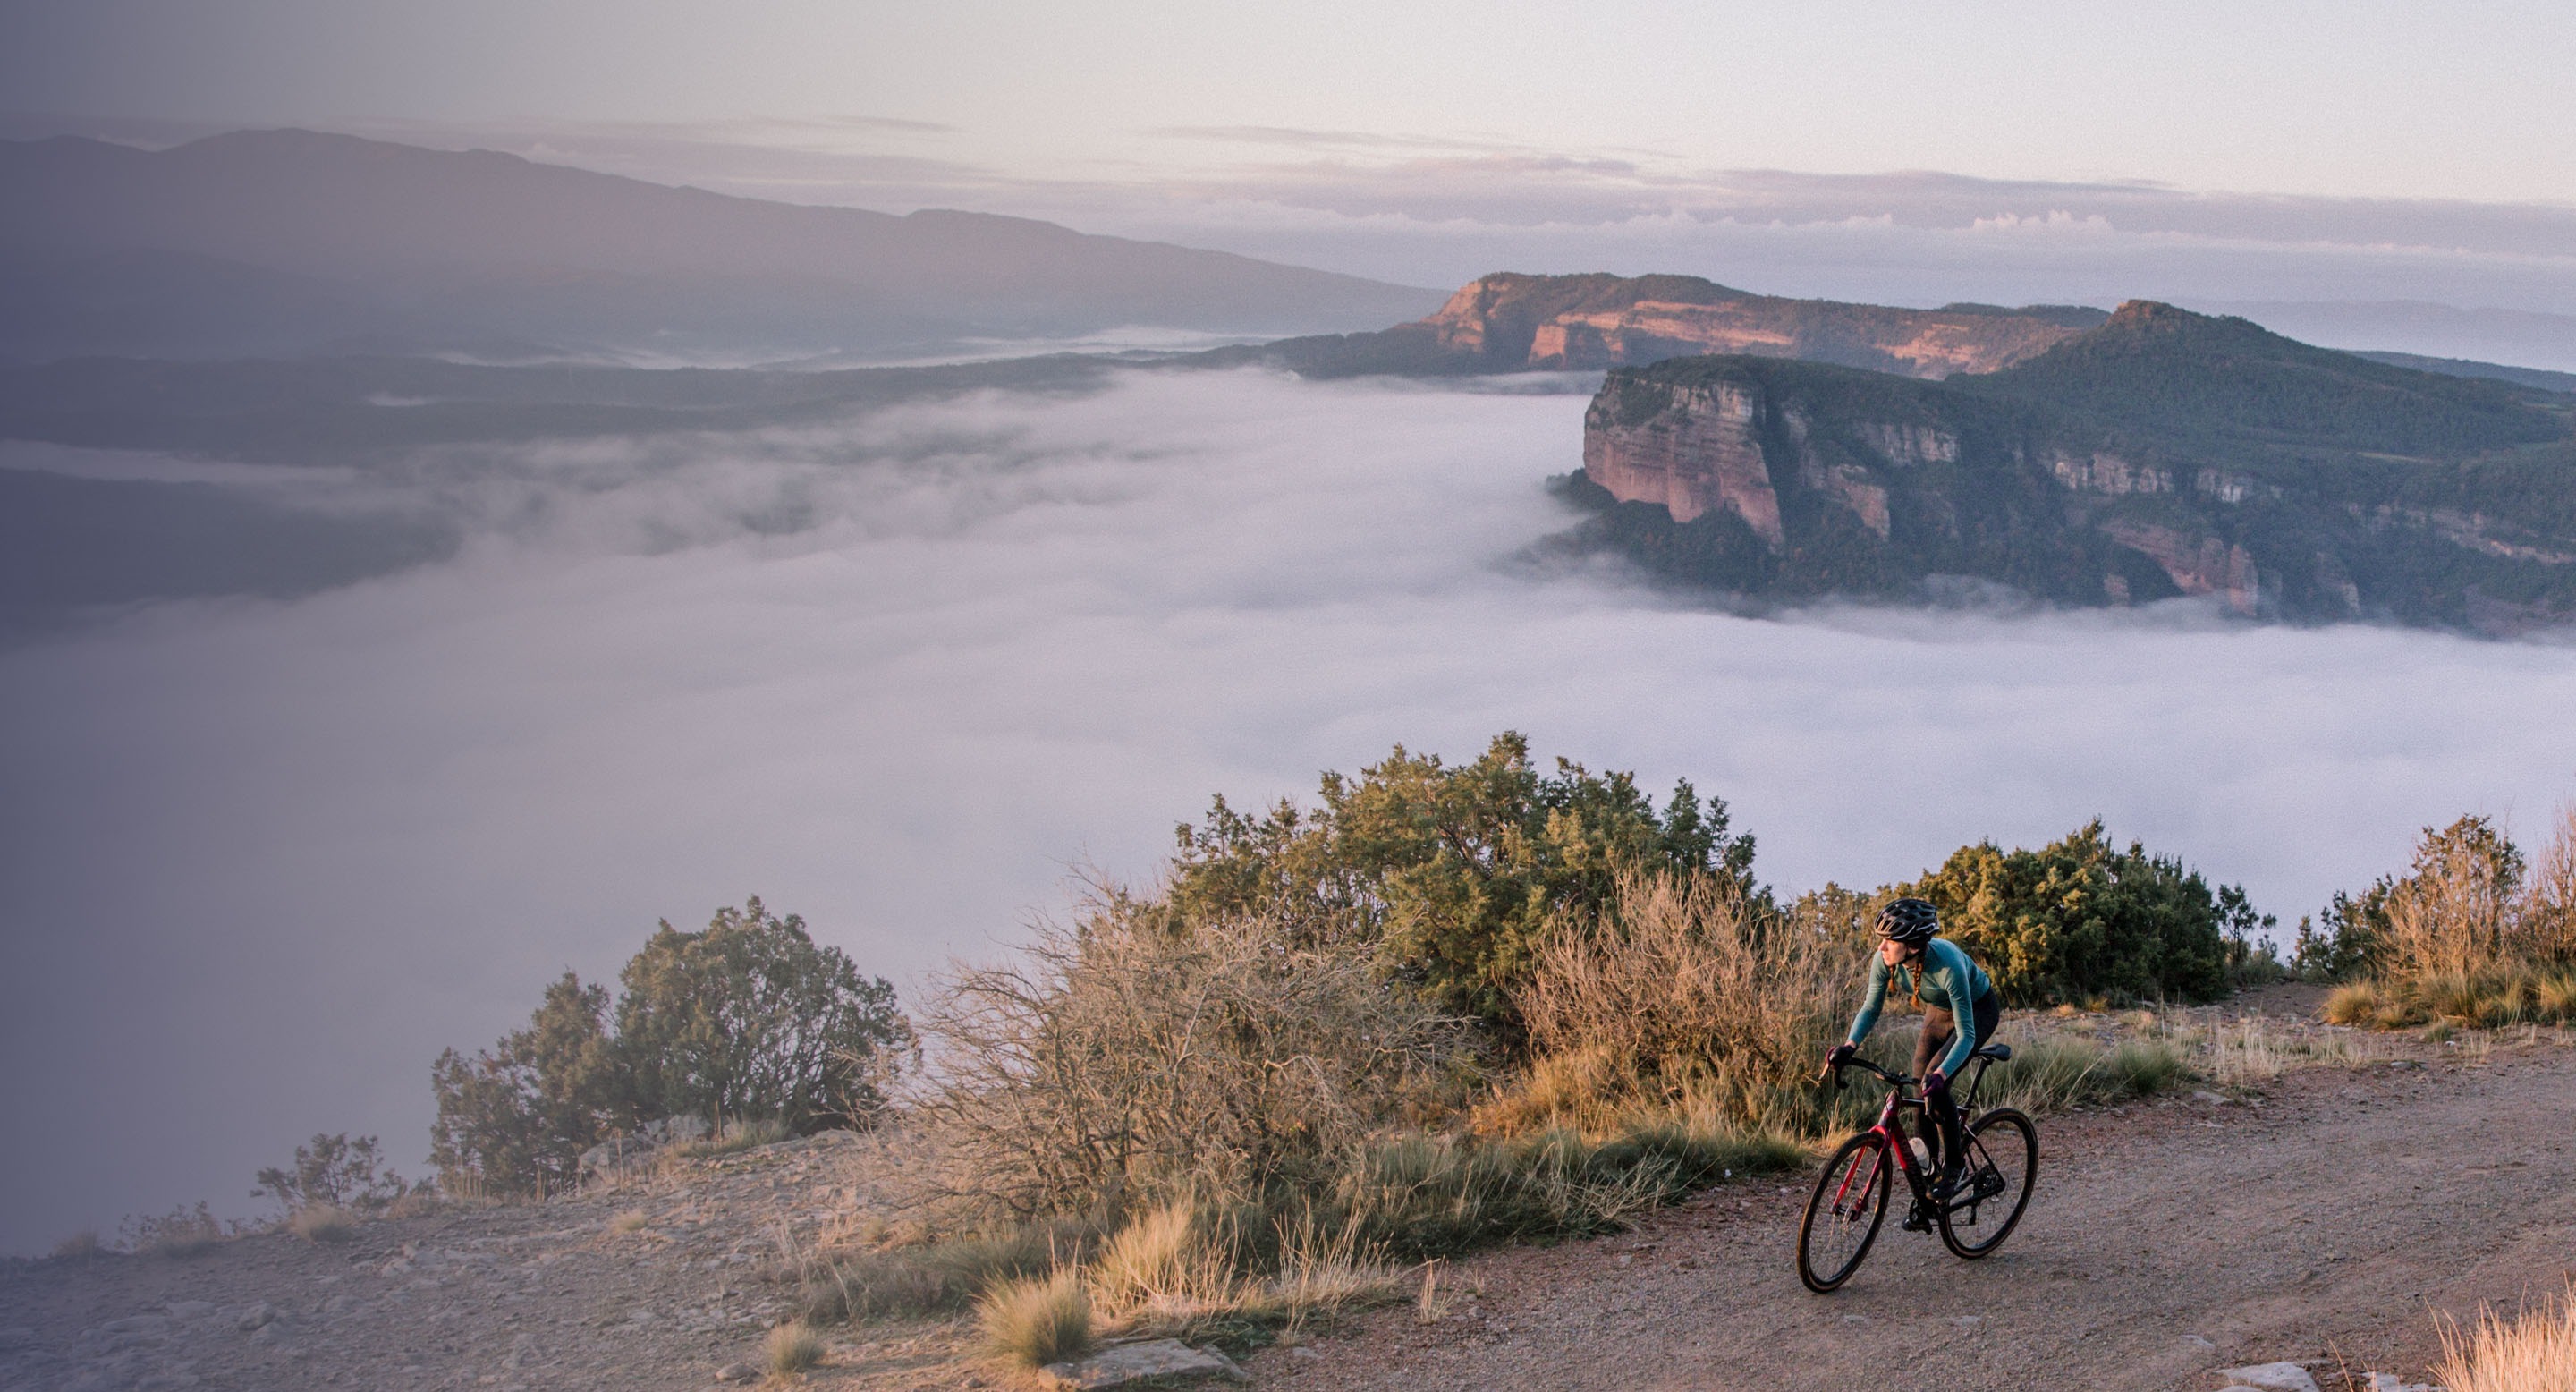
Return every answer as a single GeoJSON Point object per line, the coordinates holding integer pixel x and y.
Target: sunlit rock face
{"type": "Point", "coordinates": [1601, 321]}
{"type": "Point", "coordinates": [2161, 454]}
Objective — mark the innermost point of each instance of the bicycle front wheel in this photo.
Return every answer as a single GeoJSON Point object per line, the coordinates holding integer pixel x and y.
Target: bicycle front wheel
{"type": "Point", "coordinates": [1844, 1212]}
{"type": "Point", "coordinates": [2002, 1162]}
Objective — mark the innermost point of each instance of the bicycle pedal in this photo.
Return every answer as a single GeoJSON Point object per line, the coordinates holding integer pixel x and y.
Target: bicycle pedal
{"type": "Point", "coordinates": [1918, 1221]}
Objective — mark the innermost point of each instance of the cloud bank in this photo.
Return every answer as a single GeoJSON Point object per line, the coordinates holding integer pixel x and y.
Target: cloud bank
{"type": "Point", "coordinates": [259, 861]}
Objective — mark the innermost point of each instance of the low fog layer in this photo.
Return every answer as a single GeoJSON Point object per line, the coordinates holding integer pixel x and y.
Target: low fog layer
{"type": "Point", "coordinates": [262, 859]}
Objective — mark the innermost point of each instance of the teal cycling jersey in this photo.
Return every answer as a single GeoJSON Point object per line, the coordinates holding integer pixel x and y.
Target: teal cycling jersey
{"type": "Point", "coordinates": [1948, 978]}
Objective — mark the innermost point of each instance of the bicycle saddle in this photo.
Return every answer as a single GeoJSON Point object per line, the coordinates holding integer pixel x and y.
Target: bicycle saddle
{"type": "Point", "coordinates": [1998, 1052]}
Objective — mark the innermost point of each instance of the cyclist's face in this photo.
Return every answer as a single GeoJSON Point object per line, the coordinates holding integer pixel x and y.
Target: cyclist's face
{"type": "Point", "coordinates": [1891, 951]}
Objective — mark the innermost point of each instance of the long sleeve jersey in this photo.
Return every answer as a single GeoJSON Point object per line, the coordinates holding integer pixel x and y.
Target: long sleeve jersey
{"type": "Point", "coordinates": [1947, 972]}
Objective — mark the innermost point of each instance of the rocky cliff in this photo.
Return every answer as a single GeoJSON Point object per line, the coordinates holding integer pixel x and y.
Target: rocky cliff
{"type": "Point", "coordinates": [1519, 323]}
{"type": "Point", "coordinates": [2160, 454]}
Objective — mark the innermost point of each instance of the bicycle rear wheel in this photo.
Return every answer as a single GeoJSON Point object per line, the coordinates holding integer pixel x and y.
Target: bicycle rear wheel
{"type": "Point", "coordinates": [2002, 1162]}
{"type": "Point", "coordinates": [1844, 1212]}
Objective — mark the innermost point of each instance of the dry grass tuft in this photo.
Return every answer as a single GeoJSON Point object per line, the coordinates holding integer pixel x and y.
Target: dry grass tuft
{"type": "Point", "coordinates": [81, 1244]}
{"type": "Point", "coordinates": [1029, 1322]}
{"type": "Point", "coordinates": [1685, 994]}
{"type": "Point", "coordinates": [632, 1220]}
{"type": "Point", "coordinates": [2535, 1352]}
{"type": "Point", "coordinates": [182, 1232]}
{"type": "Point", "coordinates": [322, 1223]}
{"type": "Point", "coordinates": [792, 1348]}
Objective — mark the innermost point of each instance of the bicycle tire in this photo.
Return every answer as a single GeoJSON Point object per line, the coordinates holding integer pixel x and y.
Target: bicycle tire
{"type": "Point", "coordinates": [2015, 1162]}
{"type": "Point", "coordinates": [1853, 1186]}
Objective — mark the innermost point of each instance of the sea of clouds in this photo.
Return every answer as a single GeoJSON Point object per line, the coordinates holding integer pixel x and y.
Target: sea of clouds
{"type": "Point", "coordinates": [905, 675]}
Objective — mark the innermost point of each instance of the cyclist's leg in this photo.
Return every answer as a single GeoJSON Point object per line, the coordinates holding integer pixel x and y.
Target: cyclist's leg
{"type": "Point", "coordinates": [1939, 1027]}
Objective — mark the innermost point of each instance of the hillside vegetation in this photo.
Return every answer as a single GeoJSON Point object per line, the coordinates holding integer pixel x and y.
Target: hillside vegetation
{"type": "Point", "coordinates": [1442, 1006]}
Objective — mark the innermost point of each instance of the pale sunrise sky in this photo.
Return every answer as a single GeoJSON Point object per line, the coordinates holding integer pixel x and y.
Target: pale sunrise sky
{"type": "Point", "coordinates": [2462, 101]}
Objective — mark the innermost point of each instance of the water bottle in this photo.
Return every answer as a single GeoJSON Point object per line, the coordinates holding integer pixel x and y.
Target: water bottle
{"type": "Point", "coordinates": [1922, 1153]}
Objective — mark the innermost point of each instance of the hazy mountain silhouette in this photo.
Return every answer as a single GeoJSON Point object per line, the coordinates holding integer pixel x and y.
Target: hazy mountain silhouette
{"type": "Point", "coordinates": [289, 240]}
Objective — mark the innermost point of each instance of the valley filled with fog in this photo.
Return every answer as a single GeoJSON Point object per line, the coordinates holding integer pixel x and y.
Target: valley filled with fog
{"type": "Point", "coordinates": [909, 672]}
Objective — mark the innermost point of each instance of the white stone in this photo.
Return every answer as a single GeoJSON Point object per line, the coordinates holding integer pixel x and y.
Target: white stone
{"type": "Point", "coordinates": [1123, 1364]}
{"type": "Point", "coordinates": [2276, 1377]}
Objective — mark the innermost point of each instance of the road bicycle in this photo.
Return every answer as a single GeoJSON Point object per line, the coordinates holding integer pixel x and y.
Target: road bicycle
{"type": "Point", "coordinates": [1850, 1201]}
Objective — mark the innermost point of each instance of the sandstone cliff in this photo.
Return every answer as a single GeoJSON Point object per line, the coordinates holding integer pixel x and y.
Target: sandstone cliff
{"type": "Point", "coordinates": [2161, 454]}
{"type": "Point", "coordinates": [1520, 323]}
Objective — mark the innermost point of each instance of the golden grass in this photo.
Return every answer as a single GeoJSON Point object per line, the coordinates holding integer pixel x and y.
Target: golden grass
{"type": "Point", "coordinates": [632, 1220]}
{"type": "Point", "coordinates": [792, 1348]}
{"type": "Point", "coordinates": [322, 1223]}
{"type": "Point", "coordinates": [2534, 1352]}
{"type": "Point", "coordinates": [1031, 1321]}
{"type": "Point", "coordinates": [84, 1243]}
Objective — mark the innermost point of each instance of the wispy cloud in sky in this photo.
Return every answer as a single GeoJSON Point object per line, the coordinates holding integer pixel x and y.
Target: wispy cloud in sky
{"type": "Point", "coordinates": [900, 674]}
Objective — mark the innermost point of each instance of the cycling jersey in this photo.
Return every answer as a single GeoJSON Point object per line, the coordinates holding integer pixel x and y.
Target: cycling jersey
{"type": "Point", "coordinates": [1948, 974]}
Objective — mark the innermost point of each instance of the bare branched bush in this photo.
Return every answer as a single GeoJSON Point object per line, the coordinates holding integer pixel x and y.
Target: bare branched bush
{"type": "Point", "coordinates": [1682, 993]}
{"type": "Point", "coordinates": [1124, 1060]}
{"type": "Point", "coordinates": [2549, 904]}
{"type": "Point", "coordinates": [2456, 915]}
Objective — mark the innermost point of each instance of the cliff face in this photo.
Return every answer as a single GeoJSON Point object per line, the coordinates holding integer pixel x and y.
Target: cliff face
{"type": "Point", "coordinates": [1558, 322]}
{"type": "Point", "coordinates": [1522, 323]}
{"type": "Point", "coordinates": [2284, 500]}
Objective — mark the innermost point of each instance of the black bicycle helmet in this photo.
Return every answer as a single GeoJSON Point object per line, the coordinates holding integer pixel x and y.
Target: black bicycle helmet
{"type": "Point", "coordinates": [1909, 921]}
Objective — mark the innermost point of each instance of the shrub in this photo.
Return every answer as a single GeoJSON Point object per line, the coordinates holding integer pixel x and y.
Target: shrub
{"type": "Point", "coordinates": [182, 1232]}
{"type": "Point", "coordinates": [792, 1348]}
{"type": "Point", "coordinates": [1450, 876]}
{"type": "Point", "coordinates": [1683, 991]}
{"type": "Point", "coordinates": [2078, 919]}
{"type": "Point", "coordinates": [1031, 1322]}
{"type": "Point", "coordinates": [322, 1222]}
{"type": "Point", "coordinates": [1129, 1060]}
{"type": "Point", "coordinates": [333, 1172]}
{"type": "Point", "coordinates": [80, 1245]}
{"type": "Point", "coordinates": [747, 1020]}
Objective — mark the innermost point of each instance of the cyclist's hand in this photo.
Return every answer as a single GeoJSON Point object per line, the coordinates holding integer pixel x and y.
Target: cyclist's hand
{"type": "Point", "coordinates": [1841, 1055]}
{"type": "Point", "coordinates": [1935, 1082]}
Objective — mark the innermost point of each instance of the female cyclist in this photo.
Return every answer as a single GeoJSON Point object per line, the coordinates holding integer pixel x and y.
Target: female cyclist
{"type": "Point", "coordinates": [1960, 1012]}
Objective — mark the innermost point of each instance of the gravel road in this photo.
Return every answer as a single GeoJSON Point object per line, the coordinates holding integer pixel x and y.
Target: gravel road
{"type": "Point", "coordinates": [2163, 1242]}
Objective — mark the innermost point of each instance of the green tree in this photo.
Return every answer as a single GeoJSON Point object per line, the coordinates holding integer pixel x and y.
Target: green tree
{"type": "Point", "coordinates": [333, 1170]}
{"type": "Point", "coordinates": [514, 1119]}
{"type": "Point", "coordinates": [750, 1018]}
{"type": "Point", "coordinates": [2079, 918]}
{"type": "Point", "coordinates": [1449, 873]}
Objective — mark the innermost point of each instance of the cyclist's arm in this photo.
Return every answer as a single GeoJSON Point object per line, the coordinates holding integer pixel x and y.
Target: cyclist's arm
{"type": "Point", "coordinates": [1867, 1019]}
{"type": "Point", "coordinates": [1963, 1011]}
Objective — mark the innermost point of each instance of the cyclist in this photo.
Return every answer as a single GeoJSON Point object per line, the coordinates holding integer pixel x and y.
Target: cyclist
{"type": "Point", "coordinates": [1960, 1012]}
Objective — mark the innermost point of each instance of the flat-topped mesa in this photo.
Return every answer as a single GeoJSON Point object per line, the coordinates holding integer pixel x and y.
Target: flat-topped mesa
{"type": "Point", "coordinates": [1523, 322]}
{"type": "Point", "coordinates": [2163, 453]}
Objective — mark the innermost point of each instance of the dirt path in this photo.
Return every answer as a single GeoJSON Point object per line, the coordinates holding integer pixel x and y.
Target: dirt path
{"type": "Point", "coordinates": [2162, 1242]}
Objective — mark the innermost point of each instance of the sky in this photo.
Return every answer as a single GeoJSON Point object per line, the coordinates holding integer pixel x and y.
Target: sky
{"type": "Point", "coordinates": [2413, 171]}
{"type": "Point", "coordinates": [2349, 99]}
{"type": "Point", "coordinates": [262, 861]}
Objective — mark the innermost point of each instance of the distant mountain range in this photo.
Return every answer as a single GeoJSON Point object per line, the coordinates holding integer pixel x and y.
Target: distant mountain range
{"type": "Point", "coordinates": [2162, 453]}
{"type": "Point", "coordinates": [291, 242]}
